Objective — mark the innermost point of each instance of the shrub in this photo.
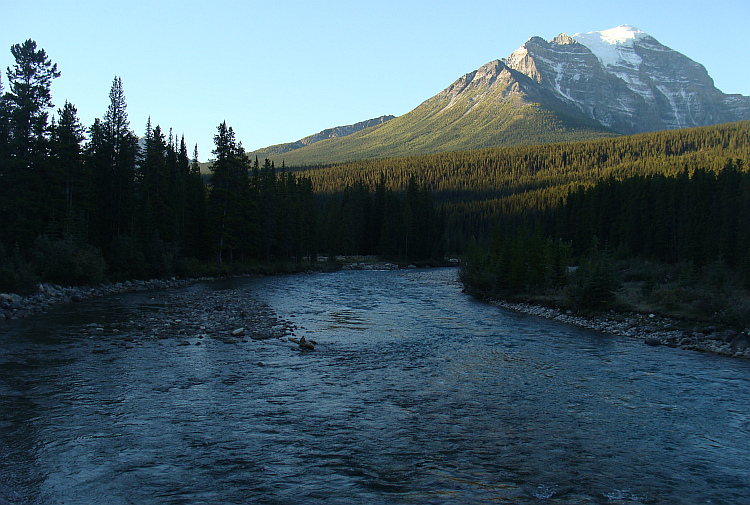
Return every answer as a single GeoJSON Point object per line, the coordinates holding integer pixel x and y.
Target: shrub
{"type": "Point", "coordinates": [66, 262]}
{"type": "Point", "coordinates": [126, 259]}
{"type": "Point", "coordinates": [16, 275]}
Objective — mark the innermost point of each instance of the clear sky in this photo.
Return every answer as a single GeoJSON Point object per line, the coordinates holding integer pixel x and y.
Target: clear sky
{"type": "Point", "coordinates": [280, 70]}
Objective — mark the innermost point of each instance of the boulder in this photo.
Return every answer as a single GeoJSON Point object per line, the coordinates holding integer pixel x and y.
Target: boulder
{"type": "Point", "coordinates": [741, 342]}
{"type": "Point", "coordinates": [306, 344]}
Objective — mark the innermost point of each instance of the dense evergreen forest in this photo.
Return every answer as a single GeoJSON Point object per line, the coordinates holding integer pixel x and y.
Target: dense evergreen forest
{"type": "Point", "coordinates": [478, 188]}
{"type": "Point", "coordinates": [80, 205]}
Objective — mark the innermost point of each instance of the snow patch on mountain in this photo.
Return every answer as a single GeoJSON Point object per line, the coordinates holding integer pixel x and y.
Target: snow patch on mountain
{"type": "Point", "coordinates": [613, 47]}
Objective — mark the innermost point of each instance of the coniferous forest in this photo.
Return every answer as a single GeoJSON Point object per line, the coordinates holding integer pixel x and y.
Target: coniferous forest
{"type": "Point", "coordinates": [83, 204]}
{"type": "Point", "coordinates": [663, 213]}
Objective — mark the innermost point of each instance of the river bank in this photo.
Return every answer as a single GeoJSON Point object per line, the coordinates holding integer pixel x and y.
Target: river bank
{"type": "Point", "coordinates": [652, 329]}
{"type": "Point", "coordinates": [14, 306]}
{"type": "Point", "coordinates": [192, 319]}
{"type": "Point", "coordinates": [187, 317]}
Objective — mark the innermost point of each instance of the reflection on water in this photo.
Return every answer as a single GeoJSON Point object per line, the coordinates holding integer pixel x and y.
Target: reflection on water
{"type": "Point", "coordinates": [415, 394]}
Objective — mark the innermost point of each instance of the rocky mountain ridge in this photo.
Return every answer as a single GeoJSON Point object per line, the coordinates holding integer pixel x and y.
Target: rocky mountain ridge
{"type": "Point", "coordinates": [628, 81]}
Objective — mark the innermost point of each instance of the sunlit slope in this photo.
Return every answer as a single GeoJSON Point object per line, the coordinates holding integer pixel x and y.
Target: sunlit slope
{"type": "Point", "coordinates": [490, 107]}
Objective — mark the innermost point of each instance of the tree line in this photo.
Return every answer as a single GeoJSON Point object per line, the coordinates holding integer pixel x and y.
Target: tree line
{"type": "Point", "coordinates": [78, 205]}
{"type": "Point", "coordinates": [361, 220]}
{"type": "Point", "coordinates": [695, 225]}
{"type": "Point", "coordinates": [697, 217]}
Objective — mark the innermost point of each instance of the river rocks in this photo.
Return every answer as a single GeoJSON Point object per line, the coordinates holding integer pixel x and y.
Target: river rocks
{"type": "Point", "coordinates": [740, 343]}
{"type": "Point", "coordinates": [186, 317]}
{"type": "Point", "coordinates": [653, 329]}
{"type": "Point", "coordinates": [303, 344]}
{"type": "Point", "coordinates": [13, 306]}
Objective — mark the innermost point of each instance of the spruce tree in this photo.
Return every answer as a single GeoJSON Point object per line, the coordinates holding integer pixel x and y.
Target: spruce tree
{"type": "Point", "coordinates": [229, 194]}
{"type": "Point", "coordinates": [30, 96]}
{"type": "Point", "coordinates": [111, 155]}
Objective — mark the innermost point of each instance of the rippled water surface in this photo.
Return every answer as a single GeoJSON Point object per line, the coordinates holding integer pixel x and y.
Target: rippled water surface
{"type": "Point", "coordinates": [415, 393]}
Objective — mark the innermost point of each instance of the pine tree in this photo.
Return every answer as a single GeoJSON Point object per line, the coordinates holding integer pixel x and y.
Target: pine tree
{"type": "Point", "coordinates": [26, 204]}
{"type": "Point", "coordinates": [197, 244]}
{"type": "Point", "coordinates": [71, 176]}
{"type": "Point", "coordinates": [229, 193]}
{"type": "Point", "coordinates": [30, 82]}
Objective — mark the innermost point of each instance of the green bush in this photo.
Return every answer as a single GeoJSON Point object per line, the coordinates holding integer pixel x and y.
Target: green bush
{"type": "Point", "coordinates": [66, 262]}
{"type": "Point", "coordinates": [16, 275]}
{"type": "Point", "coordinates": [161, 257]}
{"type": "Point", "coordinates": [132, 258]}
{"type": "Point", "coordinates": [126, 259]}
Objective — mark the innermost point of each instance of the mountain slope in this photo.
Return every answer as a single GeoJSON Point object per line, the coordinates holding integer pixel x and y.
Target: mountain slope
{"type": "Point", "coordinates": [590, 85]}
{"type": "Point", "coordinates": [329, 133]}
{"type": "Point", "coordinates": [492, 106]}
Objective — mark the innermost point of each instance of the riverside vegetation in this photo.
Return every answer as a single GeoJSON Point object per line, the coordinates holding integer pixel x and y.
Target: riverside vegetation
{"type": "Point", "coordinates": [653, 223]}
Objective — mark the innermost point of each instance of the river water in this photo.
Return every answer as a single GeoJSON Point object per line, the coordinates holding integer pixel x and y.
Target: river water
{"type": "Point", "coordinates": [415, 394]}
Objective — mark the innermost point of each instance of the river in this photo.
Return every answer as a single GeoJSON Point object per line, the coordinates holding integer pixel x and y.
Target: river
{"type": "Point", "coordinates": [415, 394]}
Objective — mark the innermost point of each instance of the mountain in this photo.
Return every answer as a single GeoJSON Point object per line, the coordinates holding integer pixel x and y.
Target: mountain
{"type": "Point", "coordinates": [626, 80]}
{"type": "Point", "coordinates": [580, 87]}
{"type": "Point", "coordinates": [329, 133]}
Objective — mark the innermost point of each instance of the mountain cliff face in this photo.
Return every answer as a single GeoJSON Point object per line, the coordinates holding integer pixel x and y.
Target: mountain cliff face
{"type": "Point", "coordinates": [626, 80]}
{"type": "Point", "coordinates": [580, 87]}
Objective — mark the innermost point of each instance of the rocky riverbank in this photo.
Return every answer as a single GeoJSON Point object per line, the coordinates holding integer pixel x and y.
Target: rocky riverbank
{"type": "Point", "coordinates": [195, 317]}
{"type": "Point", "coordinates": [186, 316]}
{"type": "Point", "coordinates": [652, 329]}
{"type": "Point", "coordinates": [13, 306]}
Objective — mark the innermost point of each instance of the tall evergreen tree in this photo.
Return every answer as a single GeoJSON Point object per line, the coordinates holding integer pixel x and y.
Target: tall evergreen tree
{"type": "Point", "coordinates": [112, 157]}
{"type": "Point", "coordinates": [5, 196]}
{"type": "Point", "coordinates": [197, 242]}
{"type": "Point", "coordinates": [30, 96]}
{"type": "Point", "coordinates": [26, 171]}
{"type": "Point", "coordinates": [70, 175]}
{"type": "Point", "coordinates": [5, 112]}
{"type": "Point", "coordinates": [229, 195]}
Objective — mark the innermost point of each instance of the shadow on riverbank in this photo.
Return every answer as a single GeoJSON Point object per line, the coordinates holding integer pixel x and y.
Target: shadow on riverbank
{"type": "Point", "coordinates": [14, 306]}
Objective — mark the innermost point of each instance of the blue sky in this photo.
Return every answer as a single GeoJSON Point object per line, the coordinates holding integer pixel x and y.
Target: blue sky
{"type": "Point", "coordinates": [280, 70]}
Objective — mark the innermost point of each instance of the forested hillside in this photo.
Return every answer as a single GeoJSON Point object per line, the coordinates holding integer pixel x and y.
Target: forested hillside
{"type": "Point", "coordinates": [478, 187]}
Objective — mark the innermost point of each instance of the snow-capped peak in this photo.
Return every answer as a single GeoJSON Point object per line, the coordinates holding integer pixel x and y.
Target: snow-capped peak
{"type": "Point", "coordinates": [621, 34]}
{"type": "Point", "coordinates": [613, 46]}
